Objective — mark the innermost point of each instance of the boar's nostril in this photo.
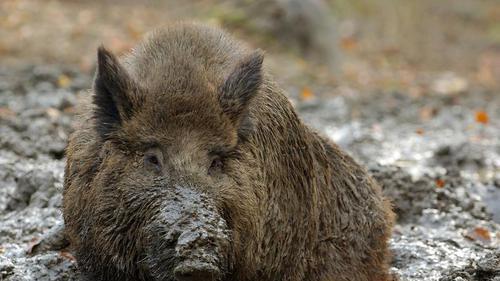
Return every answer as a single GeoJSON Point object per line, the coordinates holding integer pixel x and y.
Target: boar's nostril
{"type": "Point", "coordinates": [194, 271]}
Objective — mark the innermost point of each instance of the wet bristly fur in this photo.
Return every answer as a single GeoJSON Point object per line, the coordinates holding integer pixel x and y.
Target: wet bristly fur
{"type": "Point", "coordinates": [297, 206]}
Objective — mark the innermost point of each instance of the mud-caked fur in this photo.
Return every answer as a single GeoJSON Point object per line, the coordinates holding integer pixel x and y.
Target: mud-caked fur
{"type": "Point", "coordinates": [298, 207]}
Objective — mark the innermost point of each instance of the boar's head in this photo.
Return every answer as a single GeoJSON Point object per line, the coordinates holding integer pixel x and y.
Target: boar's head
{"type": "Point", "coordinates": [154, 187]}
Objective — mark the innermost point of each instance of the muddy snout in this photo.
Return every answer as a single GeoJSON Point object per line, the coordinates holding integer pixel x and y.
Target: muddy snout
{"type": "Point", "coordinates": [191, 239]}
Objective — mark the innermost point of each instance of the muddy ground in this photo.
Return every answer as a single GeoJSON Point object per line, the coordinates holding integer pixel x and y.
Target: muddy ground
{"type": "Point", "coordinates": [417, 101]}
{"type": "Point", "coordinates": [440, 166]}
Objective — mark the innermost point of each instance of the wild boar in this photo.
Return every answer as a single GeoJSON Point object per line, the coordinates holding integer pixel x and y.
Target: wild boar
{"type": "Point", "coordinates": [190, 163]}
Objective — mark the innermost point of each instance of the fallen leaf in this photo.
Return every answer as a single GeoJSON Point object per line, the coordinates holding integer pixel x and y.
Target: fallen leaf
{"type": "Point", "coordinates": [306, 94]}
{"type": "Point", "coordinates": [6, 112]}
{"type": "Point", "coordinates": [440, 183]}
{"type": "Point", "coordinates": [479, 234]}
{"type": "Point", "coordinates": [32, 244]}
{"type": "Point", "coordinates": [63, 81]}
{"type": "Point", "coordinates": [419, 131]}
{"type": "Point", "coordinates": [67, 255]}
{"type": "Point", "coordinates": [69, 109]}
{"type": "Point", "coordinates": [426, 113]}
{"type": "Point", "coordinates": [482, 117]}
{"type": "Point", "coordinates": [348, 43]}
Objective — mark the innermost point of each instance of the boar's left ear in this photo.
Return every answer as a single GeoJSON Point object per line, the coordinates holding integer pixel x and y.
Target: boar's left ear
{"type": "Point", "coordinates": [241, 85]}
{"type": "Point", "coordinates": [112, 86]}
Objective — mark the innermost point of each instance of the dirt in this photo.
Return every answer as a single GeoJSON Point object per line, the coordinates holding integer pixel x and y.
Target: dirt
{"type": "Point", "coordinates": [35, 121]}
{"type": "Point", "coordinates": [416, 101]}
{"type": "Point", "coordinates": [191, 222]}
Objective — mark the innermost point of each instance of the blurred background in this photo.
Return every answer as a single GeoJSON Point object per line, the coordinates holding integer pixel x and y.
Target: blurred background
{"type": "Point", "coordinates": [410, 88]}
{"type": "Point", "coordinates": [375, 44]}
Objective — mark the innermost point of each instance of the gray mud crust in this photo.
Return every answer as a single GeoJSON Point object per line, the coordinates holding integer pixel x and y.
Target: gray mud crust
{"type": "Point", "coordinates": [444, 182]}
{"type": "Point", "coordinates": [35, 120]}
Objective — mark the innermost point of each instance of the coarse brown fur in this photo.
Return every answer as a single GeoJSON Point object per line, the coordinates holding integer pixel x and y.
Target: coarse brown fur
{"type": "Point", "coordinates": [297, 206]}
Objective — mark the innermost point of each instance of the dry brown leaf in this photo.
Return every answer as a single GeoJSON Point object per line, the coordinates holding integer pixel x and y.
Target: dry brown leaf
{"type": "Point", "coordinates": [63, 81]}
{"type": "Point", "coordinates": [67, 255]}
{"type": "Point", "coordinates": [69, 109]}
{"type": "Point", "coordinates": [440, 183]}
{"type": "Point", "coordinates": [419, 131]}
{"type": "Point", "coordinates": [482, 117]}
{"type": "Point", "coordinates": [426, 113]}
{"type": "Point", "coordinates": [348, 43]}
{"type": "Point", "coordinates": [31, 245]}
{"type": "Point", "coordinates": [306, 94]}
{"type": "Point", "coordinates": [479, 233]}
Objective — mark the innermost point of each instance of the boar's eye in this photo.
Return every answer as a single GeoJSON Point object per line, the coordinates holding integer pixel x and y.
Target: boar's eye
{"type": "Point", "coordinates": [153, 159]}
{"type": "Point", "coordinates": [216, 166]}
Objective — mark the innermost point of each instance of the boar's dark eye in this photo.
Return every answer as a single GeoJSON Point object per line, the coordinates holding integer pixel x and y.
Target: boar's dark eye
{"type": "Point", "coordinates": [153, 159]}
{"type": "Point", "coordinates": [216, 165]}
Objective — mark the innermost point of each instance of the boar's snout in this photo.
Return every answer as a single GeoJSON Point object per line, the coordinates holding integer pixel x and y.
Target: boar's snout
{"type": "Point", "coordinates": [192, 271]}
{"type": "Point", "coordinates": [190, 235]}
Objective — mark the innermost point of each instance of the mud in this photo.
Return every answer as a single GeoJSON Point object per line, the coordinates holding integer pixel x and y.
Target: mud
{"type": "Point", "coordinates": [191, 222]}
{"type": "Point", "coordinates": [441, 167]}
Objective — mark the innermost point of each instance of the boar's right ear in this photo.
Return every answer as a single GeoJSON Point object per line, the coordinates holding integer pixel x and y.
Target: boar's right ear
{"type": "Point", "coordinates": [111, 86]}
{"type": "Point", "coordinates": [241, 85]}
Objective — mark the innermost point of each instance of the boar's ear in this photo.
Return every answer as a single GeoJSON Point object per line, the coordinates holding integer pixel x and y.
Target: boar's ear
{"type": "Point", "coordinates": [111, 85]}
{"type": "Point", "coordinates": [241, 85]}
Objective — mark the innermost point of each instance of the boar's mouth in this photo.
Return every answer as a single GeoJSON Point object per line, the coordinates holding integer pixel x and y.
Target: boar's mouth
{"type": "Point", "coordinates": [188, 239]}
